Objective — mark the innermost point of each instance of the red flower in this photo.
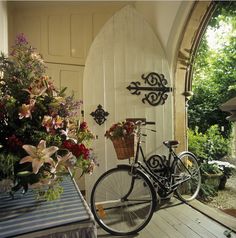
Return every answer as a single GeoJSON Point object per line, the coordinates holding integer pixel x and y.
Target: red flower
{"type": "Point", "coordinates": [83, 126]}
{"type": "Point", "coordinates": [68, 144]}
{"type": "Point", "coordinates": [76, 149]}
{"type": "Point", "coordinates": [79, 149]}
{"type": "Point", "coordinates": [14, 143]}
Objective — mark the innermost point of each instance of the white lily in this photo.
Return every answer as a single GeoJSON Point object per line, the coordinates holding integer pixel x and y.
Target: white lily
{"type": "Point", "coordinates": [39, 155]}
{"type": "Point", "coordinates": [63, 160]}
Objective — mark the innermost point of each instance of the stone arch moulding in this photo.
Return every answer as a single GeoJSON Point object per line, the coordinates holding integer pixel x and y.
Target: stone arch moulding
{"type": "Point", "coordinates": [195, 28]}
{"type": "Point", "coordinates": [193, 31]}
{"type": "Point", "coordinates": [125, 48]}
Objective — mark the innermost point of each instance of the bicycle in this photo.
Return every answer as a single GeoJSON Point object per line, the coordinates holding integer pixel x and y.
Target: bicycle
{"type": "Point", "coordinates": [124, 198]}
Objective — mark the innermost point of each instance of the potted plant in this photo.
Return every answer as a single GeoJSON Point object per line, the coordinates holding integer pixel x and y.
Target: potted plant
{"type": "Point", "coordinates": [211, 174]}
{"type": "Point", "coordinates": [226, 168]}
{"type": "Point", "coordinates": [41, 134]}
{"type": "Point", "coordinates": [217, 172]}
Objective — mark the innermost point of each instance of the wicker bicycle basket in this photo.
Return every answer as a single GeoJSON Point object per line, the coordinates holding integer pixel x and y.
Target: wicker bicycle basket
{"type": "Point", "coordinates": [124, 147]}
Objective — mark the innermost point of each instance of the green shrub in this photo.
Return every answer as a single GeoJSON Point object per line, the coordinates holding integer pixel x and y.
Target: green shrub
{"type": "Point", "coordinates": [207, 192]}
{"type": "Point", "coordinates": [209, 146]}
{"type": "Point", "coordinates": [218, 145]}
{"type": "Point", "coordinates": [196, 143]}
{"type": "Point", "coordinates": [210, 169]}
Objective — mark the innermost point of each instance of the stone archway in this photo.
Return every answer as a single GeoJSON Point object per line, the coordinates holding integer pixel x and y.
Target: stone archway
{"type": "Point", "coordinates": [195, 28]}
{"type": "Point", "coordinates": [193, 31]}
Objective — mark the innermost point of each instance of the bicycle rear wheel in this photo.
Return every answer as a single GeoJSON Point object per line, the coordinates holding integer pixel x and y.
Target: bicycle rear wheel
{"type": "Point", "coordinates": [121, 202]}
{"type": "Point", "coordinates": [187, 172]}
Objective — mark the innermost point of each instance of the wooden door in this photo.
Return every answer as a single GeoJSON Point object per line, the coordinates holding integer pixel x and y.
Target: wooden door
{"type": "Point", "coordinates": [124, 49]}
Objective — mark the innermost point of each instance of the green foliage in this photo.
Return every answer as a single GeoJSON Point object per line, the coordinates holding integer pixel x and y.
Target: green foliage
{"type": "Point", "coordinates": [224, 10]}
{"type": "Point", "coordinates": [196, 142]}
{"type": "Point", "coordinates": [7, 162]}
{"type": "Point", "coordinates": [214, 82]}
{"type": "Point", "coordinates": [49, 194]}
{"type": "Point", "coordinates": [214, 79]}
{"type": "Point", "coordinates": [210, 169]}
{"type": "Point", "coordinates": [218, 146]}
{"type": "Point", "coordinates": [206, 192]}
{"type": "Point", "coordinates": [49, 138]}
{"type": "Point", "coordinates": [210, 145]}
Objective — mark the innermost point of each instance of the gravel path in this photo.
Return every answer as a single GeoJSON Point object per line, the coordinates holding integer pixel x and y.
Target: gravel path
{"type": "Point", "coordinates": [226, 199]}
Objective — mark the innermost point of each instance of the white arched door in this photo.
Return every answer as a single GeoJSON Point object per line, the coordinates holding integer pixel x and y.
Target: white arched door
{"type": "Point", "coordinates": [124, 49]}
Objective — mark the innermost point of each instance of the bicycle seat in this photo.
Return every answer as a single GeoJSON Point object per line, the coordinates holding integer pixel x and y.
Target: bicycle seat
{"type": "Point", "coordinates": [171, 143]}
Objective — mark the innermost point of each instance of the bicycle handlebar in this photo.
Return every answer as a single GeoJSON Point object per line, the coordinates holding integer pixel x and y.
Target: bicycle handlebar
{"type": "Point", "coordinates": [150, 123]}
{"type": "Point", "coordinates": [141, 121]}
{"type": "Point", "coordinates": [146, 123]}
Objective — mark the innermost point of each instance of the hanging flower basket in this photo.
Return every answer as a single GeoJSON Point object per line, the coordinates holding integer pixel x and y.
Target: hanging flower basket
{"type": "Point", "coordinates": [124, 147]}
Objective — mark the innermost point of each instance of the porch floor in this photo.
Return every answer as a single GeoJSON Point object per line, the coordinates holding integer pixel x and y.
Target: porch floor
{"type": "Point", "coordinates": [179, 220]}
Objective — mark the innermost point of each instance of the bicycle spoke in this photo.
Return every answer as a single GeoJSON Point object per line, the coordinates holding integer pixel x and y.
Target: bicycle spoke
{"type": "Point", "coordinates": [119, 208]}
{"type": "Point", "coordinates": [188, 188]}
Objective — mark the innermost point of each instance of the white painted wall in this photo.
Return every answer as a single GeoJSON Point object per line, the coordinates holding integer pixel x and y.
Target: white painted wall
{"type": "Point", "coordinates": [3, 27]}
{"type": "Point", "coordinates": [167, 19]}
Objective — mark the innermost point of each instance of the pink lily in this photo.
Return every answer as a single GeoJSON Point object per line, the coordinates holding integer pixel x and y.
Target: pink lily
{"type": "Point", "coordinates": [63, 160]}
{"type": "Point", "coordinates": [58, 122]}
{"type": "Point", "coordinates": [47, 122]}
{"type": "Point", "coordinates": [25, 110]}
{"type": "Point", "coordinates": [37, 88]}
{"type": "Point", "coordinates": [39, 155]}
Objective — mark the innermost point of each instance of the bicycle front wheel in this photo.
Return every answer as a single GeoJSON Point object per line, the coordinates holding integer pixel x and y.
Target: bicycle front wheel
{"type": "Point", "coordinates": [123, 202]}
{"type": "Point", "coordinates": [187, 171]}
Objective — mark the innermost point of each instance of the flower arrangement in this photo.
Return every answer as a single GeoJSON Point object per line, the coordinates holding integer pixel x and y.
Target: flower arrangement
{"type": "Point", "coordinates": [41, 136]}
{"type": "Point", "coordinates": [121, 130]}
{"type": "Point", "coordinates": [122, 135]}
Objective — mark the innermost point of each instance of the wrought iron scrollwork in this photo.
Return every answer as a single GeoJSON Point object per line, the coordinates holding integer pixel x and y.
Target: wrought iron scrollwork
{"type": "Point", "coordinates": [99, 115]}
{"type": "Point", "coordinates": [157, 94]}
{"type": "Point", "coordinates": [157, 164]}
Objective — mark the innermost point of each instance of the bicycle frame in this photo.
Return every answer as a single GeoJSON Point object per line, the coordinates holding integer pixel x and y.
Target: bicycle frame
{"type": "Point", "coordinates": [164, 182]}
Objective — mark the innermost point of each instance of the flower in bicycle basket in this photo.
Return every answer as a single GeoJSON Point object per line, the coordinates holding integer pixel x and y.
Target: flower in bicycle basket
{"type": "Point", "coordinates": [121, 130]}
